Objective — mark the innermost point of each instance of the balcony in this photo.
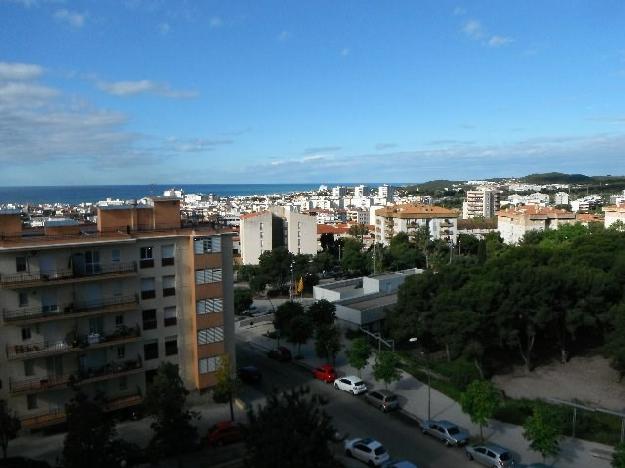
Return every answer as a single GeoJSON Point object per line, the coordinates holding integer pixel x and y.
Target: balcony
{"type": "Point", "coordinates": [77, 343]}
{"type": "Point", "coordinates": [29, 315]}
{"type": "Point", "coordinates": [81, 377]}
{"type": "Point", "coordinates": [58, 416]}
{"type": "Point", "coordinates": [446, 224]}
{"type": "Point", "coordinates": [84, 273]}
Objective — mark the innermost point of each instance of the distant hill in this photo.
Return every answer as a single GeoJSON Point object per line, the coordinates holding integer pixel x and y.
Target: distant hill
{"type": "Point", "coordinates": [556, 178]}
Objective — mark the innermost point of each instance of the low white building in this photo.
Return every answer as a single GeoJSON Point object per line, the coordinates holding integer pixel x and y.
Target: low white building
{"type": "Point", "coordinates": [442, 223]}
{"type": "Point", "coordinates": [514, 223]}
{"type": "Point", "coordinates": [587, 203]}
{"type": "Point", "coordinates": [561, 198]}
{"type": "Point", "coordinates": [613, 214]}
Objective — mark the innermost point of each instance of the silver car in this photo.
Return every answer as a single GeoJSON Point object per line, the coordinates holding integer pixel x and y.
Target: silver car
{"type": "Point", "coordinates": [490, 455]}
{"type": "Point", "coordinates": [382, 399]}
{"type": "Point", "coordinates": [445, 431]}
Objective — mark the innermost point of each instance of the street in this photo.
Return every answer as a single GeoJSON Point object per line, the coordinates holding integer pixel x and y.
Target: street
{"type": "Point", "coordinates": [351, 415]}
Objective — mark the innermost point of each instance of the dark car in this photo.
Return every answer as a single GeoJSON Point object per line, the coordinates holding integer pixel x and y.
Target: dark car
{"type": "Point", "coordinates": [382, 399]}
{"type": "Point", "coordinates": [224, 433]}
{"type": "Point", "coordinates": [21, 462]}
{"type": "Point", "coordinates": [250, 374]}
{"type": "Point", "coordinates": [280, 354]}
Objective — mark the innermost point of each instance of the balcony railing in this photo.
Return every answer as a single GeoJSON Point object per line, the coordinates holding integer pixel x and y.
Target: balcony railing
{"type": "Point", "coordinates": [83, 271]}
{"type": "Point", "coordinates": [43, 313]}
{"type": "Point", "coordinates": [72, 344]}
{"type": "Point", "coordinates": [81, 377]}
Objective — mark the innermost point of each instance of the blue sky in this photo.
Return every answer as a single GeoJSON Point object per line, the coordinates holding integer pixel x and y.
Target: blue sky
{"type": "Point", "coordinates": [158, 91]}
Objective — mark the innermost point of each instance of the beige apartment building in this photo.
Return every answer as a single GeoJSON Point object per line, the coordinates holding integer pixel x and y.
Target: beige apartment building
{"type": "Point", "coordinates": [480, 203]}
{"type": "Point", "coordinates": [613, 214]}
{"type": "Point", "coordinates": [102, 306]}
{"type": "Point", "coordinates": [514, 223]}
{"type": "Point", "coordinates": [391, 220]}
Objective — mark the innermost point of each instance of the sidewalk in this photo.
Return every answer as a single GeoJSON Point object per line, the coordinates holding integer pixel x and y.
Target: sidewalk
{"type": "Point", "coordinates": [575, 453]}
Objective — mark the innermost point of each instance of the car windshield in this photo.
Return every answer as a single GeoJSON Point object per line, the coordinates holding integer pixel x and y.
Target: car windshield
{"type": "Point", "coordinates": [359, 383]}
{"type": "Point", "coordinates": [380, 450]}
{"type": "Point", "coordinates": [504, 456]}
{"type": "Point", "coordinates": [453, 430]}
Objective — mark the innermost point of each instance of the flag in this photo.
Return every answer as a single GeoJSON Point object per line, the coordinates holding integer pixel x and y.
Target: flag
{"type": "Point", "coordinates": [300, 285]}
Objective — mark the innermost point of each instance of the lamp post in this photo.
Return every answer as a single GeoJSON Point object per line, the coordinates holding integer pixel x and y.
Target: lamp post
{"type": "Point", "coordinates": [427, 364]}
{"type": "Point", "coordinates": [291, 287]}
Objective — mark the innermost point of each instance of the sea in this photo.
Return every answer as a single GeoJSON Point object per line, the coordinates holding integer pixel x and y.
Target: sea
{"type": "Point", "coordinates": [73, 195]}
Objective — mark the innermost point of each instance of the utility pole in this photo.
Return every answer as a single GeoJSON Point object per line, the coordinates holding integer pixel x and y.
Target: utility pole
{"type": "Point", "coordinates": [291, 287]}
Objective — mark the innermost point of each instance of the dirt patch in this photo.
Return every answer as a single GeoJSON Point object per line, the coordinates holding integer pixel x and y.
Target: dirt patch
{"type": "Point", "coordinates": [589, 380]}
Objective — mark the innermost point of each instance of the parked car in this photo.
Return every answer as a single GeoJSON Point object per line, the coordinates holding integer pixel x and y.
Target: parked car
{"type": "Point", "coordinates": [382, 399]}
{"type": "Point", "coordinates": [249, 374]}
{"type": "Point", "coordinates": [351, 383]}
{"type": "Point", "coordinates": [445, 431]}
{"type": "Point", "coordinates": [367, 450]}
{"type": "Point", "coordinates": [224, 433]}
{"type": "Point", "coordinates": [281, 353]}
{"type": "Point", "coordinates": [325, 373]}
{"type": "Point", "coordinates": [490, 455]}
{"type": "Point", "coordinates": [398, 464]}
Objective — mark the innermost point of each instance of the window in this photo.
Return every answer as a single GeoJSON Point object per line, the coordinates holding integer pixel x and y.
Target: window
{"type": "Point", "coordinates": [23, 299]}
{"type": "Point", "coordinates": [147, 288]}
{"type": "Point", "coordinates": [29, 368]}
{"type": "Point", "coordinates": [146, 260]}
{"type": "Point", "coordinates": [207, 306]}
{"type": "Point", "coordinates": [123, 383]}
{"type": "Point", "coordinates": [169, 286]}
{"type": "Point", "coordinates": [207, 245]}
{"type": "Point", "coordinates": [210, 335]}
{"type": "Point", "coordinates": [119, 320]}
{"type": "Point", "coordinates": [149, 319]}
{"type": "Point", "coordinates": [115, 255]}
{"type": "Point", "coordinates": [20, 264]}
{"type": "Point", "coordinates": [150, 351]}
{"type": "Point", "coordinates": [31, 401]}
{"type": "Point", "coordinates": [209, 364]}
{"type": "Point", "coordinates": [121, 352]}
{"type": "Point", "coordinates": [26, 334]}
{"type": "Point", "coordinates": [167, 255]}
{"type": "Point", "coordinates": [171, 316]}
{"type": "Point", "coordinates": [209, 275]}
{"type": "Point", "coordinates": [171, 346]}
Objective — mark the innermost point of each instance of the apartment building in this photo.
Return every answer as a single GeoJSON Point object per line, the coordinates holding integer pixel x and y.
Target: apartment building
{"type": "Point", "coordinates": [514, 223]}
{"type": "Point", "coordinates": [102, 306]}
{"type": "Point", "coordinates": [480, 203]}
{"type": "Point", "coordinates": [386, 191]}
{"type": "Point", "coordinates": [442, 223]}
{"type": "Point", "coordinates": [613, 214]}
{"type": "Point", "coordinates": [266, 230]}
{"type": "Point", "coordinates": [561, 198]}
{"type": "Point", "coordinates": [361, 191]}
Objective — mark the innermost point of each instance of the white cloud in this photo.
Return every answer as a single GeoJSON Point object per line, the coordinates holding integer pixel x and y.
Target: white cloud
{"type": "Point", "coordinates": [473, 29]}
{"type": "Point", "coordinates": [164, 28]}
{"type": "Point", "coordinates": [215, 22]}
{"type": "Point", "coordinates": [132, 88]}
{"type": "Point", "coordinates": [194, 145]}
{"type": "Point", "coordinates": [345, 51]}
{"type": "Point", "coordinates": [284, 35]}
{"type": "Point", "coordinates": [498, 41]}
{"type": "Point", "coordinates": [459, 11]}
{"type": "Point", "coordinates": [19, 71]}
{"type": "Point", "coordinates": [73, 18]}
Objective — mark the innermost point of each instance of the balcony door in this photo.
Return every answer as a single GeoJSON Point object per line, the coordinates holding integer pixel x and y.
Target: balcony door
{"type": "Point", "coordinates": [49, 302]}
{"type": "Point", "coordinates": [92, 262]}
{"type": "Point", "coordinates": [47, 265]}
{"type": "Point", "coordinates": [54, 366]}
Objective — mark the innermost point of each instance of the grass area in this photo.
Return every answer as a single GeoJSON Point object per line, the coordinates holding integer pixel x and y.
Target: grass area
{"type": "Point", "coordinates": [454, 376]}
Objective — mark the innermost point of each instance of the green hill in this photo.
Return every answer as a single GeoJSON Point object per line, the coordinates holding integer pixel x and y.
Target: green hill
{"type": "Point", "coordinates": [557, 178]}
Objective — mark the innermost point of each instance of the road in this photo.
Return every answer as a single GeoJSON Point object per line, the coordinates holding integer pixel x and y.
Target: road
{"type": "Point", "coordinates": [351, 414]}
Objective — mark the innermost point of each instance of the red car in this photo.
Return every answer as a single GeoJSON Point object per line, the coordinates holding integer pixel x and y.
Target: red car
{"type": "Point", "coordinates": [325, 373]}
{"type": "Point", "coordinates": [224, 433]}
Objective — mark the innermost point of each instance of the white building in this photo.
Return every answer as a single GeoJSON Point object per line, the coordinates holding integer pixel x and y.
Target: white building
{"type": "Point", "coordinates": [561, 198]}
{"type": "Point", "coordinates": [441, 222]}
{"type": "Point", "coordinates": [514, 223]}
{"type": "Point", "coordinates": [339, 191]}
{"type": "Point", "coordinates": [358, 216]}
{"type": "Point", "coordinates": [536, 198]}
{"type": "Point", "coordinates": [263, 231]}
{"type": "Point", "coordinates": [361, 191]}
{"type": "Point", "coordinates": [386, 191]}
{"type": "Point", "coordinates": [480, 203]}
{"type": "Point", "coordinates": [587, 203]}
{"type": "Point", "coordinates": [613, 214]}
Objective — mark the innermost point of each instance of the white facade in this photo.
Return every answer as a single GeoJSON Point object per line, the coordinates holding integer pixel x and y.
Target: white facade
{"type": "Point", "coordinates": [614, 214]}
{"type": "Point", "coordinates": [480, 203]}
{"type": "Point", "coordinates": [561, 198]}
{"type": "Point", "coordinates": [441, 222]}
{"type": "Point", "coordinates": [386, 191]}
{"type": "Point", "coordinates": [339, 191]}
{"type": "Point", "coordinates": [256, 234]}
{"type": "Point", "coordinates": [361, 191]}
{"type": "Point", "coordinates": [513, 224]}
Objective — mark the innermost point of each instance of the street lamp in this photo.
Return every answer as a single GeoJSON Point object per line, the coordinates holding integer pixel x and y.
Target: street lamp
{"type": "Point", "coordinates": [291, 288]}
{"type": "Point", "coordinates": [427, 364]}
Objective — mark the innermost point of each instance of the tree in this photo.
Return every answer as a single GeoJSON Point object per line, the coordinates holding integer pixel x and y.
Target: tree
{"type": "Point", "coordinates": [90, 433]}
{"type": "Point", "coordinates": [243, 299]}
{"type": "Point", "coordinates": [227, 383]}
{"type": "Point", "coordinates": [275, 266]}
{"type": "Point", "coordinates": [300, 330]}
{"type": "Point", "coordinates": [542, 430]}
{"type": "Point", "coordinates": [480, 401]}
{"type": "Point", "coordinates": [385, 367]}
{"type": "Point", "coordinates": [354, 260]}
{"type": "Point", "coordinates": [358, 354]}
{"type": "Point", "coordinates": [618, 459]}
{"type": "Point", "coordinates": [292, 429]}
{"type": "Point", "coordinates": [9, 426]}
{"type": "Point", "coordinates": [327, 342]}
{"type": "Point", "coordinates": [403, 253]}
{"type": "Point", "coordinates": [358, 231]}
{"type": "Point", "coordinates": [165, 401]}
{"type": "Point", "coordinates": [322, 312]}
{"type": "Point", "coordinates": [283, 316]}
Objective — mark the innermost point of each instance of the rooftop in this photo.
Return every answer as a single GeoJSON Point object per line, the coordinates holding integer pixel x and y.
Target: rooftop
{"type": "Point", "coordinates": [416, 211]}
{"type": "Point", "coordinates": [536, 212]}
{"type": "Point", "coordinates": [370, 301]}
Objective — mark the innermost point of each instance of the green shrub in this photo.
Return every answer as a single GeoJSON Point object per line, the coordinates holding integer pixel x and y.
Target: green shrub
{"type": "Point", "coordinates": [460, 372]}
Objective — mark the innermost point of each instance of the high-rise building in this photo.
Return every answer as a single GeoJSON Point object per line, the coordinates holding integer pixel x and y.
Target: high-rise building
{"type": "Point", "coordinates": [339, 191]}
{"type": "Point", "coordinates": [442, 223]}
{"type": "Point", "coordinates": [386, 191]}
{"type": "Point", "coordinates": [361, 191]}
{"type": "Point", "coordinates": [480, 203]}
{"type": "Point", "coordinates": [101, 307]}
{"type": "Point", "coordinates": [277, 227]}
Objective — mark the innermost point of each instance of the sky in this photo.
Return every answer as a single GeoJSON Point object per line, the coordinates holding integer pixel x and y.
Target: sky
{"type": "Point", "coordinates": [267, 91]}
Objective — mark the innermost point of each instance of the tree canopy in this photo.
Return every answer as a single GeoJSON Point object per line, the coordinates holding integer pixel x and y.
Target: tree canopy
{"type": "Point", "coordinates": [9, 426]}
{"type": "Point", "coordinates": [542, 429]}
{"type": "Point", "coordinates": [385, 367]}
{"type": "Point", "coordinates": [358, 354]}
{"type": "Point", "coordinates": [479, 401]}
